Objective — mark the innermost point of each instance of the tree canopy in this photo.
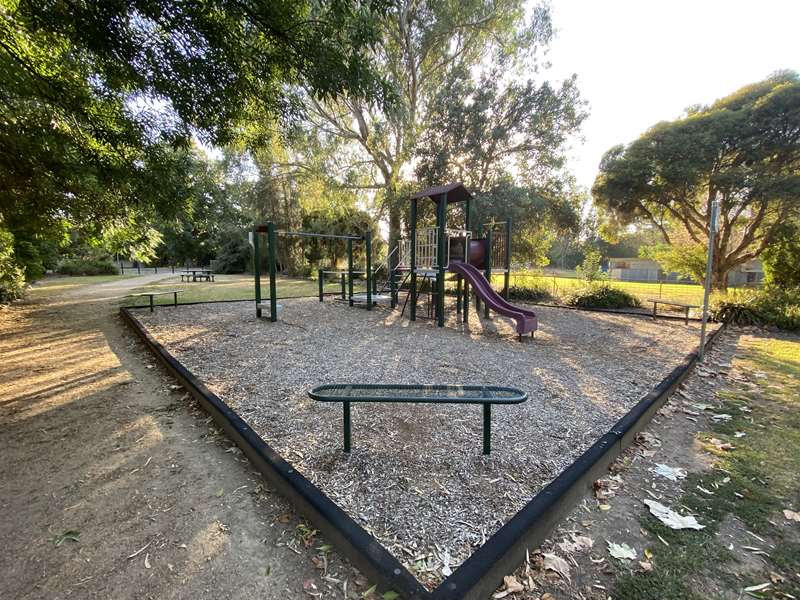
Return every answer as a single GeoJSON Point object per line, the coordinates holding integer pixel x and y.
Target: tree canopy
{"type": "Point", "coordinates": [742, 151]}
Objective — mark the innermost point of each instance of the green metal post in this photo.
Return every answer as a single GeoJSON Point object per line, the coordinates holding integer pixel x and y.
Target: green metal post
{"type": "Point", "coordinates": [488, 267]}
{"type": "Point", "coordinates": [413, 291]}
{"type": "Point", "coordinates": [468, 227]}
{"type": "Point", "coordinates": [350, 270]}
{"type": "Point", "coordinates": [458, 294]}
{"type": "Point", "coordinates": [273, 291]}
{"type": "Point", "coordinates": [487, 428]}
{"type": "Point", "coordinates": [392, 288]}
{"type": "Point", "coordinates": [507, 275]}
{"type": "Point", "coordinates": [344, 287]}
{"type": "Point", "coordinates": [320, 276]}
{"type": "Point", "coordinates": [478, 234]}
{"type": "Point", "coordinates": [257, 268]}
{"type": "Point", "coordinates": [346, 419]}
{"type": "Point", "coordinates": [368, 252]}
{"type": "Point", "coordinates": [441, 258]}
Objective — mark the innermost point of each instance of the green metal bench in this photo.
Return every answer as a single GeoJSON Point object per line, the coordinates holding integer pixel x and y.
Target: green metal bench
{"type": "Point", "coordinates": [427, 394]}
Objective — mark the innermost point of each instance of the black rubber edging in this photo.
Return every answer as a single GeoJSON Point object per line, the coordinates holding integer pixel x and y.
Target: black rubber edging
{"type": "Point", "coordinates": [483, 571]}
{"type": "Point", "coordinates": [363, 550]}
{"type": "Point", "coordinates": [503, 552]}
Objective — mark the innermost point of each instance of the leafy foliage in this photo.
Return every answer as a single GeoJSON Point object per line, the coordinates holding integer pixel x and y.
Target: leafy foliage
{"type": "Point", "coordinates": [781, 259]}
{"type": "Point", "coordinates": [601, 295]}
{"type": "Point", "coordinates": [589, 270]}
{"type": "Point", "coordinates": [12, 275]}
{"type": "Point", "coordinates": [743, 151]}
{"type": "Point", "coordinates": [772, 306]}
{"type": "Point", "coordinates": [532, 293]}
{"type": "Point", "coordinates": [87, 266]}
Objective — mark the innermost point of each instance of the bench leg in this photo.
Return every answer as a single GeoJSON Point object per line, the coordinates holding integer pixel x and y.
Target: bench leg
{"type": "Point", "coordinates": [176, 297]}
{"type": "Point", "coordinates": [487, 428]}
{"type": "Point", "coordinates": [655, 304]}
{"type": "Point", "coordinates": [346, 406]}
{"type": "Point", "coordinates": [686, 316]}
{"type": "Point", "coordinates": [151, 302]}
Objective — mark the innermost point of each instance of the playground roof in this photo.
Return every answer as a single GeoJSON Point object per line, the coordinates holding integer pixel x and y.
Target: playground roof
{"type": "Point", "coordinates": [456, 192]}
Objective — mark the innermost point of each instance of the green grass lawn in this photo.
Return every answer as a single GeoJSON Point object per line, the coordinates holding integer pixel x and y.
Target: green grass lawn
{"type": "Point", "coordinates": [559, 286]}
{"type": "Point", "coordinates": [58, 284]}
{"type": "Point", "coordinates": [228, 287]}
{"type": "Point", "coordinates": [754, 483]}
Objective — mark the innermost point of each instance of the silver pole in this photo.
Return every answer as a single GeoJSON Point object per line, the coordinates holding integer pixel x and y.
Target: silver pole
{"type": "Point", "coordinates": [712, 233]}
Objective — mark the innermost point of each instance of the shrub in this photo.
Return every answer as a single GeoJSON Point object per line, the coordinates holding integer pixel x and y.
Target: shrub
{"type": "Point", "coordinates": [12, 275]}
{"type": "Point", "coordinates": [533, 293]}
{"type": "Point", "coordinates": [94, 266]}
{"type": "Point", "coordinates": [771, 306]}
{"type": "Point", "coordinates": [233, 257]}
{"type": "Point", "coordinates": [590, 269]}
{"type": "Point", "coordinates": [602, 296]}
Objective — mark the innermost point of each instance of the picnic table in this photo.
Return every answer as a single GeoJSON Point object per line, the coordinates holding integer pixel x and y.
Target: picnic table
{"type": "Point", "coordinates": [199, 273]}
{"type": "Point", "coordinates": [681, 305]}
{"type": "Point", "coordinates": [485, 395]}
{"type": "Point", "coordinates": [158, 293]}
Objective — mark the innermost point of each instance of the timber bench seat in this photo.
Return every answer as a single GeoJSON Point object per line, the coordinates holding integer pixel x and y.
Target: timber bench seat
{"type": "Point", "coordinates": [426, 394]}
{"type": "Point", "coordinates": [681, 305]}
{"type": "Point", "coordinates": [159, 293]}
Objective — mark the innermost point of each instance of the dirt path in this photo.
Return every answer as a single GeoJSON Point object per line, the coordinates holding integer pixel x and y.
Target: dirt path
{"type": "Point", "coordinates": [95, 440]}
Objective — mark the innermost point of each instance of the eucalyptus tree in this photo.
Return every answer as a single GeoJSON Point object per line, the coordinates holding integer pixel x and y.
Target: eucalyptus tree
{"type": "Point", "coordinates": [742, 151]}
{"type": "Point", "coordinates": [422, 43]}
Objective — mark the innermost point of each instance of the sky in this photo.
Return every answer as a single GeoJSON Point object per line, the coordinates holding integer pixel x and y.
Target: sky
{"type": "Point", "coordinates": [641, 62]}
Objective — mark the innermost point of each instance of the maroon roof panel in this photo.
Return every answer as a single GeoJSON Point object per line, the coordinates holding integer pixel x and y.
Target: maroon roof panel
{"type": "Point", "coordinates": [456, 192]}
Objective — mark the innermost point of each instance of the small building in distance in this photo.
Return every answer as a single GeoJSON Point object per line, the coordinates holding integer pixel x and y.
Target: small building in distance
{"type": "Point", "coordinates": [644, 269]}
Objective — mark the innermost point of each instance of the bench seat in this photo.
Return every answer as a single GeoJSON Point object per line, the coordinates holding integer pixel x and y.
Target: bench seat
{"type": "Point", "coordinates": [486, 395]}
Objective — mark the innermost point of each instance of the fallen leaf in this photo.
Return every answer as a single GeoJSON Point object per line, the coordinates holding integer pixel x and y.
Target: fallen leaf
{"type": "Point", "coordinates": [646, 566]}
{"type": "Point", "coordinates": [670, 518]}
{"type": "Point", "coordinates": [70, 534]}
{"type": "Point", "coordinates": [553, 562]}
{"type": "Point", "coordinates": [621, 551]}
{"type": "Point", "coordinates": [720, 445]}
{"type": "Point", "coordinates": [721, 417]}
{"type": "Point", "coordinates": [511, 586]}
{"type": "Point", "coordinates": [757, 588]}
{"type": "Point", "coordinates": [671, 473]}
{"type": "Point", "coordinates": [791, 515]}
{"type": "Point", "coordinates": [147, 561]}
{"type": "Point", "coordinates": [739, 434]}
{"type": "Point", "coordinates": [604, 506]}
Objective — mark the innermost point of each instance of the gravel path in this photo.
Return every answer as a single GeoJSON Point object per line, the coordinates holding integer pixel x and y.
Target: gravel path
{"type": "Point", "coordinates": [416, 478]}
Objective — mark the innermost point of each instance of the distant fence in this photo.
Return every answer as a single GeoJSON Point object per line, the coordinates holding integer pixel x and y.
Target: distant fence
{"type": "Point", "coordinates": [560, 285]}
{"type": "Point", "coordinates": [141, 270]}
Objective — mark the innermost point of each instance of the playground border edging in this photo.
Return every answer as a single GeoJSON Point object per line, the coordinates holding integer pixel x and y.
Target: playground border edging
{"type": "Point", "coordinates": [363, 550]}
{"type": "Point", "coordinates": [478, 576]}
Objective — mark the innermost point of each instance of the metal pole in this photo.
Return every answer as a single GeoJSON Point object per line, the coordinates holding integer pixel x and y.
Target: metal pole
{"type": "Point", "coordinates": [487, 428]}
{"type": "Point", "coordinates": [320, 275]}
{"type": "Point", "coordinates": [507, 276]}
{"type": "Point", "coordinates": [488, 267]}
{"type": "Point", "coordinates": [368, 252]}
{"type": "Point", "coordinates": [441, 222]}
{"type": "Point", "coordinates": [273, 293]}
{"type": "Point", "coordinates": [257, 268]}
{"type": "Point", "coordinates": [346, 419]}
{"type": "Point", "coordinates": [712, 232]}
{"type": "Point", "coordinates": [350, 270]}
{"type": "Point", "coordinates": [393, 288]}
{"type": "Point", "coordinates": [344, 287]}
{"type": "Point", "coordinates": [413, 291]}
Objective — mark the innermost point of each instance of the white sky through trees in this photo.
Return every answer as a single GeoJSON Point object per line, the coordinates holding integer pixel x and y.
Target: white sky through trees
{"type": "Point", "coordinates": [644, 61]}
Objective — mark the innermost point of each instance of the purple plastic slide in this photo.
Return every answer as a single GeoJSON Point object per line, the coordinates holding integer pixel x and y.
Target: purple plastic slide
{"type": "Point", "coordinates": [526, 319]}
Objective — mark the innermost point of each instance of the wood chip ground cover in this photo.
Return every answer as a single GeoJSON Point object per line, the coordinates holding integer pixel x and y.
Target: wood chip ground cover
{"type": "Point", "coordinates": [416, 478]}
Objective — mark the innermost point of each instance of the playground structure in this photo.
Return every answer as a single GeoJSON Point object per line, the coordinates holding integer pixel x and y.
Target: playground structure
{"type": "Point", "coordinates": [271, 241]}
{"type": "Point", "coordinates": [428, 255]}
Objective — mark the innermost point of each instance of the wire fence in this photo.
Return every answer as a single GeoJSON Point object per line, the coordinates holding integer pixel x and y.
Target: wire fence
{"type": "Point", "coordinates": [561, 284]}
